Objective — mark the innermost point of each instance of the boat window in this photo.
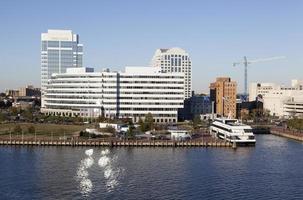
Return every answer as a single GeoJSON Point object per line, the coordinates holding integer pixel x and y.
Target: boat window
{"type": "Point", "coordinates": [222, 128]}
{"type": "Point", "coordinates": [247, 130]}
{"type": "Point", "coordinates": [230, 121]}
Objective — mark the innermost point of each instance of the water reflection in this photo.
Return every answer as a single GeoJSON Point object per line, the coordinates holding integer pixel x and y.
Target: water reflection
{"type": "Point", "coordinates": [86, 184]}
{"type": "Point", "coordinates": [111, 173]}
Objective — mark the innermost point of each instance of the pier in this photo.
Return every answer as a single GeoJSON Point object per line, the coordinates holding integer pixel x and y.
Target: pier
{"type": "Point", "coordinates": [117, 143]}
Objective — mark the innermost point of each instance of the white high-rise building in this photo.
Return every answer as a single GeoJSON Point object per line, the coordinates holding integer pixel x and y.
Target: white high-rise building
{"type": "Point", "coordinates": [130, 94]}
{"type": "Point", "coordinates": [175, 60]}
{"type": "Point", "coordinates": [280, 100]}
{"type": "Point", "coordinates": [60, 49]}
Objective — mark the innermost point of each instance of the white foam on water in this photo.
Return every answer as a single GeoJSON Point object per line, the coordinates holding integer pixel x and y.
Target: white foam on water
{"type": "Point", "coordinates": [105, 152]}
{"type": "Point", "coordinates": [89, 152]}
{"type": "Point", "coordinates": [103, 161]}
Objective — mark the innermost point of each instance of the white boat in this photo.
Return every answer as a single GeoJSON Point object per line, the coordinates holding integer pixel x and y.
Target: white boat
{"type": "Point", "coordinates": [232, 131]}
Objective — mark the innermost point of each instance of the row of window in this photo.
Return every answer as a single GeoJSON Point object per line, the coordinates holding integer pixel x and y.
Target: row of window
{"type": "Point", "coordinates": [176, 56]}
{"type": "Point", "coordinates": [114, 81]}
{"type": "Point", "coordinates": [85, 101]}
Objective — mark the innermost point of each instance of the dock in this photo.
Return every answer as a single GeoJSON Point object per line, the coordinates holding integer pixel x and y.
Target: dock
{"type": "Point", "coordinates": [119, 143]}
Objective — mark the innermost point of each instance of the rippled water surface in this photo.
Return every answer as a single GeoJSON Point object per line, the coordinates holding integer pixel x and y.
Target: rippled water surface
{"type": "Point", "coordinates": [271, 170]}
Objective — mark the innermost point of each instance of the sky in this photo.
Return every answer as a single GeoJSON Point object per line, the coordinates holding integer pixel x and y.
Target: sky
{"type": "Point", "coordinates": [119, 33]}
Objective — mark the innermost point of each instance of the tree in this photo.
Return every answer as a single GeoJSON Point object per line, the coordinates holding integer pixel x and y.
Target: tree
{"type": "Point", "coordinates": [101, 118]}
{"type": "Point", "coordinates": [130, 131]}
{"type": "Point", "coordinates": [196, 121]}
{"type": "Point", "coordinates": [295, 123]}
{"type": "Point", "coordinates": [31, 129]}
{"type": "Point", "coordinates": [149, 121]}
{"type": "Point", "coordinates": [142, 125]}
{"type": "Point", "coordinates": [244, 115]}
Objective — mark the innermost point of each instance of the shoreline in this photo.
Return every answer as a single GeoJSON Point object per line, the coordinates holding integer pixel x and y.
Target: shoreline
{"type": "Point", "coordinates": [286, 133]}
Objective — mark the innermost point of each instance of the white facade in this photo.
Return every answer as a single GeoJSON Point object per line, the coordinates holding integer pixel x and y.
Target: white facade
{"type": "Point", "coordinates": [60, 49]}
{"type": "Point", "coordinates": [129, 94]}
{"type": "Point", "coordinates": [278, 99]}
{"type": "Point", "coordinates": [175, 60]}
{"type": "Point", "coordinates": [293, 108]}
{"type": "Point", "coordinates": [179, 134]}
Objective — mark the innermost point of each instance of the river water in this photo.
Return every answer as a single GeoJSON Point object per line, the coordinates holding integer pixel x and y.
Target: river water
{"type": "Point", "coordinates": [273, 169]}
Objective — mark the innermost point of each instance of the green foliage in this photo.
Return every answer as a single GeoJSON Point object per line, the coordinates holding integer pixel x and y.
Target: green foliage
{"type": "Point", "coordinates": [31, 129]}
{"type": "Point", "coordinates": [130, 131]}
{"type": "Point", "coordinates": [17, 129]}
{"type": "Point", "coordinates": [196, 121]}
{"type": "Point", "coordinates": [295, 123]}
{"type": "Point", "coordinates": [149, 122]}
{"type": "Point", "coordinates": [142, 125]}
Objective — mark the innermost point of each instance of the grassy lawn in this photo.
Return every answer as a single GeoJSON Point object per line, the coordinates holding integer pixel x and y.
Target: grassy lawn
{"type": "Point", "coordinates": [42, 129]}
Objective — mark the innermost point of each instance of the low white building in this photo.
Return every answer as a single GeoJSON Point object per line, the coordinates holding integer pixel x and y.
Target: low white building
{"type": "Point", "coordinates": [280, 100]}
{"type": "Point", "coordinates": [177, 134]}
{"type": "Point", "coordinates": [105, 125]}
{"type": "Point", "coordinates": [130, 94]}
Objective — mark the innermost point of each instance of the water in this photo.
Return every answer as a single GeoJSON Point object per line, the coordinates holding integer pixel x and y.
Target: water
{"type": "Point", "coordinates": [271, 170]}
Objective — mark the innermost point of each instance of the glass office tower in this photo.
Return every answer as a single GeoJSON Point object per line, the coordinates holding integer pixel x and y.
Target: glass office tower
{"type": "Point", "coordinates": [60, 49]}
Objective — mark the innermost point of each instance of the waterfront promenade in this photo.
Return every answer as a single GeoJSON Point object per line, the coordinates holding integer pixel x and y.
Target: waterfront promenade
{"type": "Point", "coordinates": [287, 133]}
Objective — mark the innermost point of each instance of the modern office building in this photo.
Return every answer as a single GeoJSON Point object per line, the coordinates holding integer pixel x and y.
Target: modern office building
{"type": "Point", "coordinates": [60, 49]}
{"type": "Point", "coordinates": [224, 91]}
{"type": "Point", "coordinates": [130, 94]}
{"type": "Point", "coordinates": [279, 100]}
{"type": "Point", "coordinates": [175, 60]}
{"type": "Point", "coordinates": [196, 105]}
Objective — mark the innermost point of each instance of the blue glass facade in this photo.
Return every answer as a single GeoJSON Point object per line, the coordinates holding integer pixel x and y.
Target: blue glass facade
{"type": "Point", "coordinates": [60, 49]}
{"type": "Point", "coordinates": [57, 56]}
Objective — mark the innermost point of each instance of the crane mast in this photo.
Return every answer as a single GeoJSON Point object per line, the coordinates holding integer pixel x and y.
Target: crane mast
{"type": "Point", "coordinates": [246, 62]}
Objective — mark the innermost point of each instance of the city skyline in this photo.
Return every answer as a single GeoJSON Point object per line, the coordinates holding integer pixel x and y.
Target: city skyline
{"type": "Point", "coordinates": [214, 34]}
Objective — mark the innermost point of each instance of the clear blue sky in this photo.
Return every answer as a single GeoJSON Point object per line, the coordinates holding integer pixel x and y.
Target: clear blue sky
{"type": "Point", "coordinates": [127, 32]}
